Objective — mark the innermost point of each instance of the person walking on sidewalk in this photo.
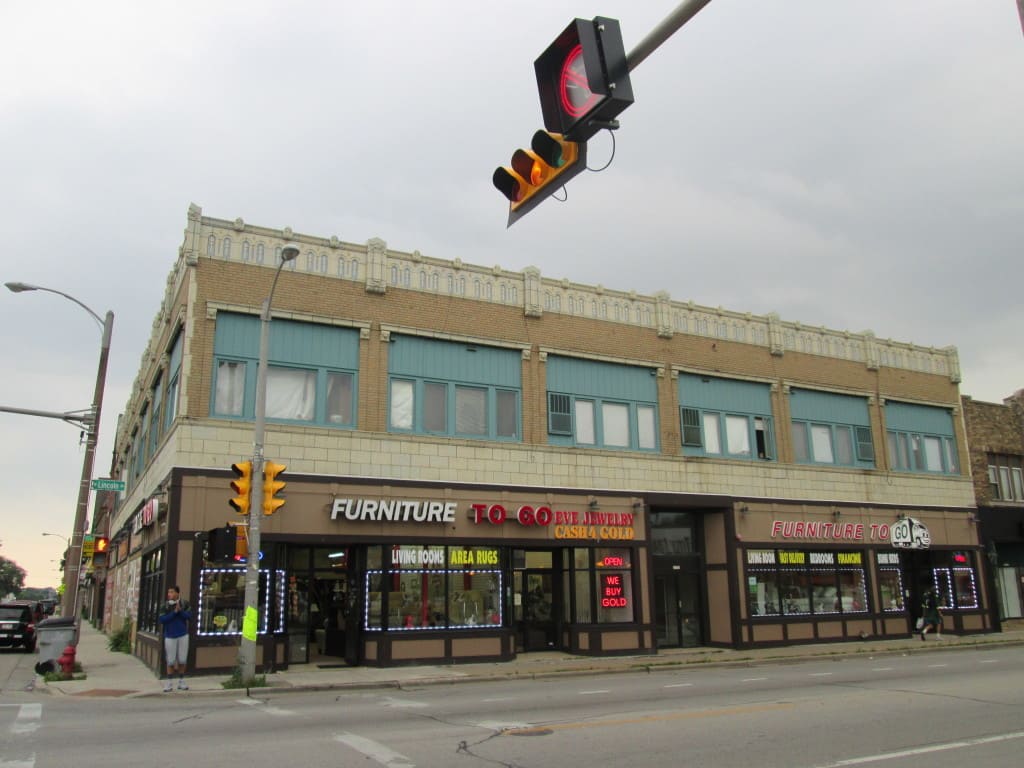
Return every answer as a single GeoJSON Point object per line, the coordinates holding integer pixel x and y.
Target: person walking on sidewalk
{"type": "Point", "coordinates": [175, 620]}
{"type": "Point", "coordinates": [931, 614]}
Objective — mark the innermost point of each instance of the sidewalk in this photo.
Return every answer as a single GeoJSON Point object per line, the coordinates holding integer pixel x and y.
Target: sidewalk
{"type": "Point", "coordinates": [110, 674]}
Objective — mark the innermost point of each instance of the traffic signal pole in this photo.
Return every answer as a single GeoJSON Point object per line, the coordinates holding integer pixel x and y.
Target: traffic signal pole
{"type": "Point", "coordinates": [682, 14]}
{"type": "Point", "coordinates": [250, 617]}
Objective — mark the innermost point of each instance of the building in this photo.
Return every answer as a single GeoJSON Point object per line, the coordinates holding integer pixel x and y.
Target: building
{"type": "Point", "coordinates": [481, 463]}
{"type": "Point", "coordinates": [996, 437]}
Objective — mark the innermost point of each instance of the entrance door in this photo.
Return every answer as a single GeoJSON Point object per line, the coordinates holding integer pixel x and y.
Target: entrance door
{"type": "Point", "coordinates": [536, 619]}
{"type": "Point", "coordinates": [678, 609]}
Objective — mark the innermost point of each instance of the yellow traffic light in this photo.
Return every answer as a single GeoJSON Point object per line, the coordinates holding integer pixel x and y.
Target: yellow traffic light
{"type": "Point", "coordinates": [536, 173]}
{"type": "Point", "coordinates": [272, 486]}
{"type": "Point", "coordinates": [241, 485]}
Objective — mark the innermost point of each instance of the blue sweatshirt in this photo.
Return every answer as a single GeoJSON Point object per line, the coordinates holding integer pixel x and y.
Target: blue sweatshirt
{"type": "Point", "coordinates": [176, 622]}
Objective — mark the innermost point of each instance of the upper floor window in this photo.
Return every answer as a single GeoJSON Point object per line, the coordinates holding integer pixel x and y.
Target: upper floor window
{"type": "Point", "coordinates": [601, 405]}
{"type": "Point", "coordinates": [173, 380]}
{"type": "Point", "coordinates": [1005, 478]}
{"type": "Point", "coordinates": [155, 422]}
{"type": "Point", "coordinates": [829, 428]}
{"type": "Point", "coordinates": [921, 438]}
{"type": "Point", "coordinates": [724, 417]}
{"type": "Point", "coordinates": [447, 388]}
{"type": "Point", "coordinates": [311, 371]}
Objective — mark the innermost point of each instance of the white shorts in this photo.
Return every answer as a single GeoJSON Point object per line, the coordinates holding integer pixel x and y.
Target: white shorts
{"type": "Point", "coordinates": [176, 649]}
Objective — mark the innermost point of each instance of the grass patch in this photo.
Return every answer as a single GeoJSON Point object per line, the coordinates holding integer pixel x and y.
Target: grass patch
{"type": "Point", "coordinates": [236, 681]}
{"type": "Point", "coordinates": [121, 641]}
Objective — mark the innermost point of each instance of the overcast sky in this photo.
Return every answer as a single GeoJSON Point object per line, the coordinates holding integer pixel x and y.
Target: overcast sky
{"type": "Point", "coordinates": [854, 165]}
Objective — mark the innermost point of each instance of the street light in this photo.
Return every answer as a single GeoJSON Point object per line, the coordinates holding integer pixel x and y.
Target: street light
{"type": "Point", "coordinates": [73, 564]}
{"type": "Point", "coordinates": [250, 618]}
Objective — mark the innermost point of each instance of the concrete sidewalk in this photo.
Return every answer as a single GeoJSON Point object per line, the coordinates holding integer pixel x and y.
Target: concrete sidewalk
{"type": "Point", "coordinates": [111, 674]}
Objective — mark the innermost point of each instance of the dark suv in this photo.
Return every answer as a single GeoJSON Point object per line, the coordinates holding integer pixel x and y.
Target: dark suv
{"type": "Point", "coordinates": [18, 624]}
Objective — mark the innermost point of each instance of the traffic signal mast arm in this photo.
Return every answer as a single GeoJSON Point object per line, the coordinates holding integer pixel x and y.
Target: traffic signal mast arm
{"type": "Point", "coordinates": [583, 82]}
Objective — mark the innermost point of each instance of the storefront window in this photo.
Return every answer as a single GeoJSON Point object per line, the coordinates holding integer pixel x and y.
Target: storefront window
{"type": "Point", "coordinates": [151, 590]}
{"type": "Point", "coordinates": [794, 588]}
{"type": "Point", "coordinates": [799, 583]}
{"type": "Point", "coordinates": [613, 585]}
{"type": "Point", "coordinates": [436, 588]}
{"type": "Point", "coordinates": [581, 575]}
{"type": "Point", "coordinates": [763, 593]}
{"type": "Point", "coordinates": [955, 587]}
{"type": "Point", "coordinates": [222, 601]}
{"type": "Point", "coordinates": [890, 584]}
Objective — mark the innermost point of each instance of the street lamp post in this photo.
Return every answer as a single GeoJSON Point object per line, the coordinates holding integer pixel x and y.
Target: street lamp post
{"type": "Point", "coordinates": [250, 619]}
{"type": "Point", "coordinates": [73, 564]}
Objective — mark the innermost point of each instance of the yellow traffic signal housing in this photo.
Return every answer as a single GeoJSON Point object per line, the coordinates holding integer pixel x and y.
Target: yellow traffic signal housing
{"type": "Point", "coordinates": [536, 173]}
{"type": "Point", "coordinates": [272, 486]}
{"type": "Point", "coordinates": [242, 486]}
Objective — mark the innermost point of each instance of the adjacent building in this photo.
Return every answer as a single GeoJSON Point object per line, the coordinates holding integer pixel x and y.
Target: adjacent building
{"type": "Point", "coordinates": [995, 433]}
{"type": "Point", "coordinates": [484, 462]}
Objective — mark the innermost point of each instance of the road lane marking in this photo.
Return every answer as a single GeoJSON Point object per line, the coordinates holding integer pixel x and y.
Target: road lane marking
{"type": "Point", "coordinates": [374, 750]}
{"type": "Point", "coordinates": [937, 666]}
{"type": "Point", "coordinates": [696, 715]}
{"type": "Point", "coordinates": [390, 701]}
{"type": "Point", "coordinates": [497, 698]}
{"type": "Point", "coordinates": [949, 745]}
{"type": "Point", "coordinates": [882, 669]}
{"type": "Point", "coordinates": [988, 661]}
{"type": "Point", "coordinates": [266, 708]}
{"type": "Point", "coordinates": [28, 718]}
{"type": "Point", "coordinates": [820, 674]}
{"type": "Point", "coordinates": [591, 693]}
{"type": "Point", "coordinates": [753, 679]}
{"type": "Point", "coordinates": [678, 685]}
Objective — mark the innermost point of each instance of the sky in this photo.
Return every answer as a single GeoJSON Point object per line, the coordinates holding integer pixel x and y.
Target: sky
{"type": "Point", "coordinates": [853, 165]}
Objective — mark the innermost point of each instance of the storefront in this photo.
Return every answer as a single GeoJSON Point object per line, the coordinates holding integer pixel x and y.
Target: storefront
{"type": "Point", "coordinates": [365, 574]}
{"type": "Point", "coordinates": [849, 576]}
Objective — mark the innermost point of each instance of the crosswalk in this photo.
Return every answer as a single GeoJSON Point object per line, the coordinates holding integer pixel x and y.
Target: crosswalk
{"type": "Point", "coordinates": [20, 722]}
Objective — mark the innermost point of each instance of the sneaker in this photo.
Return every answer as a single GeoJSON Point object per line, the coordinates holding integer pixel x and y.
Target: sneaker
{"type": "Point", "coordinates": [168, 687]}
{"type": "Point", "coordinates": [182, 686]}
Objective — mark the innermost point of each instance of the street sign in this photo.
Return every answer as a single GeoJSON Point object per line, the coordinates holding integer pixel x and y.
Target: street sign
{"type": "Point", "coordinates": [107, 484]}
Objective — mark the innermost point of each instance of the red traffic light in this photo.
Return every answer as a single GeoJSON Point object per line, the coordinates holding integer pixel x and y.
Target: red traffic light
{"type": "Point", "coordinates": [583, 78]}
{"type": "Point", "coordinates": [100, 545]}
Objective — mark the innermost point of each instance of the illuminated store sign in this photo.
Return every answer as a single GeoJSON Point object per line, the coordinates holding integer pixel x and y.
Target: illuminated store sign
{"type": "Point", "coordinates": [393, 511]}
{"type": "Point", "coordinates": [566, 523]}
{"type": "Point", "coordinates": [613, 591]}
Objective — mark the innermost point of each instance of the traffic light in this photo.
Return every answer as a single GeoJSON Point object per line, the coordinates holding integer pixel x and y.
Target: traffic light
{"type": "Point", "coordinates": [537, 172]}
{"type": "Point", "coordinates": [241, 485]}
{"type": "Point", "coordinates": [101, 545]}
{"type": "Point", "coordinates": [583, 79]}
{"type": "Point", "coordinates": [221, 544]}
{"type": "Point", "coordinates": [272, 486]}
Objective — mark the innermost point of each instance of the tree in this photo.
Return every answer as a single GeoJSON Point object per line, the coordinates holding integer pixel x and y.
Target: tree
{"type": "Point", "coordinates": [12, 577]}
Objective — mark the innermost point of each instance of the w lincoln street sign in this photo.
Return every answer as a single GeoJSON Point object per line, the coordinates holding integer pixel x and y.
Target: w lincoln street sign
{"type": "Point", "coordinates": [107, 484]}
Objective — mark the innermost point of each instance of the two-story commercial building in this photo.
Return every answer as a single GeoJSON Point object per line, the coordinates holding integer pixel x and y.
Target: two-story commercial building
{"type": "Point", "coordinates": [483, 462]}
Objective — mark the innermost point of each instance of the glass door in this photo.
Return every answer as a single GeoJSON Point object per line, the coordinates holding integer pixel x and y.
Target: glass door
{"type": "Point", "coordinates": [678, 609]}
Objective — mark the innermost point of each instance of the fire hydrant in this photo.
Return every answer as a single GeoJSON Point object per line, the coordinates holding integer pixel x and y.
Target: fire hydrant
{"type": "Point", "coordinates": [67, 660]}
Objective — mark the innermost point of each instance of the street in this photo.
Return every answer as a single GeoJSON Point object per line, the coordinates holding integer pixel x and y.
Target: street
{"type": "Point", "coordinates": [944, 707]}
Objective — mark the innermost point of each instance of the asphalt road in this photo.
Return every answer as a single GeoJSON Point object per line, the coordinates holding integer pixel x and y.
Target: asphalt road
{"type": "Point", "coordinates": [941, 709]}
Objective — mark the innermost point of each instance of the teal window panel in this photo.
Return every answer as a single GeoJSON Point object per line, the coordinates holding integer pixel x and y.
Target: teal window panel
{"type": "Point", "coordinates": [454, 361]}
{"type": "Point", "coordinates": [712, 393]}
{"type": "Point", "coordinates": [291, 342]}
{"type": "Point", "coordinates": [909, 417]}
{"type": "Point", "coordinates": [607, 381]}
{"type": "Point", "coordinates": [810, 405]}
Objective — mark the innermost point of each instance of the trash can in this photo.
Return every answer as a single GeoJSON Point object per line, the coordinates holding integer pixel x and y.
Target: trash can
{"type": "Point", "coordinates": [52, 637]}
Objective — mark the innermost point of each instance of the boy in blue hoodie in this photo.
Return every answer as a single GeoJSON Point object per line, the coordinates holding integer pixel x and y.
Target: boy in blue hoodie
{"type": "Point", "coordinates": [175, 620]}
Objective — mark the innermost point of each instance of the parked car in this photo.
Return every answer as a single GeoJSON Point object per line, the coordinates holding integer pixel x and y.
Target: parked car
{"type": "Point", "coordinates": [18, 624]}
